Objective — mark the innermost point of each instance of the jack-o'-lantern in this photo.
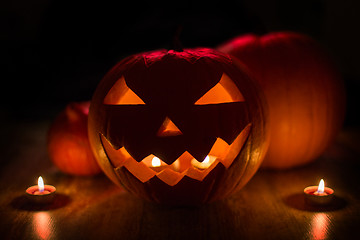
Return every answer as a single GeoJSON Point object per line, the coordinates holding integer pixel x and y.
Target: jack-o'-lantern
{"type": "Point", "coordinates": [304, 91]}
{"type": "Point", "coordinates": [178, 127]}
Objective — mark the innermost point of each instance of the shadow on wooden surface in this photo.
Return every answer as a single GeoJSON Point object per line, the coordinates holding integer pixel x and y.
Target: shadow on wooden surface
{"type": "Point", "coordinates": [23, 203]}
{"type": "Point", "coordinates": [297, 201]}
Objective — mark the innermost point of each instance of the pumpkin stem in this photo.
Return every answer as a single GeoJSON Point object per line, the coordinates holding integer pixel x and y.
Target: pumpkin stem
{"type": "Point", "coordinates": [176, 43]}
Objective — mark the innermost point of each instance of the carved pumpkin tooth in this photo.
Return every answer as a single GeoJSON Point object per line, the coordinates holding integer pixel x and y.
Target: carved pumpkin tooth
{"type": "Point", "coordinates": [170, 177]}
{"type": "Point", "coordinates": [200, 148]}
{"type": "Point", "coordinates": [198, 174]}
{"type": "Point", "coordinates": [139, 170]}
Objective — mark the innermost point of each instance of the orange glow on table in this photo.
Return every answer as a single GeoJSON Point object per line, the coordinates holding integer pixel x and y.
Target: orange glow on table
{"type": "Point", "coordinates": [42, 224]}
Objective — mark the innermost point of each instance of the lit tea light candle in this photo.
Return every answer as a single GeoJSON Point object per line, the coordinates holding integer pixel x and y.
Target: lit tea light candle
{"type": "Point", "coordinates": [206, 163]}
{"type": "Point", "coordinates": [156, 164]}
{"type": "Point", "coordinates": [319, 195]}
{"type": "Point", "coordinates": [41, 193]}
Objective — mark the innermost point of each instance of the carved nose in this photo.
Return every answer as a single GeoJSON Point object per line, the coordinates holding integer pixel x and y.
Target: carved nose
{"type": "Point", "coordinates": [168, 128]}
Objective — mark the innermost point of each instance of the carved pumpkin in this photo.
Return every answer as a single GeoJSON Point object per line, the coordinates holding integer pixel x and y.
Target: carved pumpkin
{"type": "Point", "coordinates": [178, 127]}
{"type": "Point", "coordinates": [303, 89]}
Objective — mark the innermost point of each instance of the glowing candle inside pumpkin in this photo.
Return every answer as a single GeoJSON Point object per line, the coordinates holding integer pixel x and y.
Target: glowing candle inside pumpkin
{"type": "Point", "coordinates": [205, 163]}
{"type": "Point", "coordinates": [206, 160]}
{"type": "Point", "coordinates": [155, 162]}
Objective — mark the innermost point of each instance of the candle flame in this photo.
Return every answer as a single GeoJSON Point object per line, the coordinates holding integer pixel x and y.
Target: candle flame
{"type": "Point", "coordinates": [155, 162]}
{"type": "Point", "coordinates": [321, 186]}
{"type": "Point", "coordinates": [41, 184]}
{"type": "Point", "coordinates": [206, 160]}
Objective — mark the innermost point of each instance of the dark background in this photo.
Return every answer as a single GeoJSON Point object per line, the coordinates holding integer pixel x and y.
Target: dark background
{"type": "Point", "coordinates": [54, 52]}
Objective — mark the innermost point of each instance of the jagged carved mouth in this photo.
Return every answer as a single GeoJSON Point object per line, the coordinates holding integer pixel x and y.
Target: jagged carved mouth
{"type": "Point", "coordinates": [185, 165]}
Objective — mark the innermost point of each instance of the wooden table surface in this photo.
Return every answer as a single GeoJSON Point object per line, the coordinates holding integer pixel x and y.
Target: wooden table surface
{"type": "Point", "coordinates": [271, 206]}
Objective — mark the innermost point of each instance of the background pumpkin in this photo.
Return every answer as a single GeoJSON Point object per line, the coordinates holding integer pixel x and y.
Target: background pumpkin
{"type": "Point", "coordinates": [304, 91]}
{"type": "Point", "coordinates": [176, 106]}
{"type": "Point", "coordinates": [68, 142]}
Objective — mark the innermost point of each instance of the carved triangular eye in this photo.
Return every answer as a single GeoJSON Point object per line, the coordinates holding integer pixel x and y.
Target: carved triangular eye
{"type": "Point", "coordinates": [121, 94]}
{"type": "Point", "coordinates": [225, 91]}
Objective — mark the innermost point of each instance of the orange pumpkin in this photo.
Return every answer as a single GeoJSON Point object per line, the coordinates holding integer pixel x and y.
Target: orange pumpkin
{"type": "Point", "coordinates": [68, 143]}
{"type": "Point", "coordinates": [178, 127]}
{"type": "Point", "coordinates": [304, 91]}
